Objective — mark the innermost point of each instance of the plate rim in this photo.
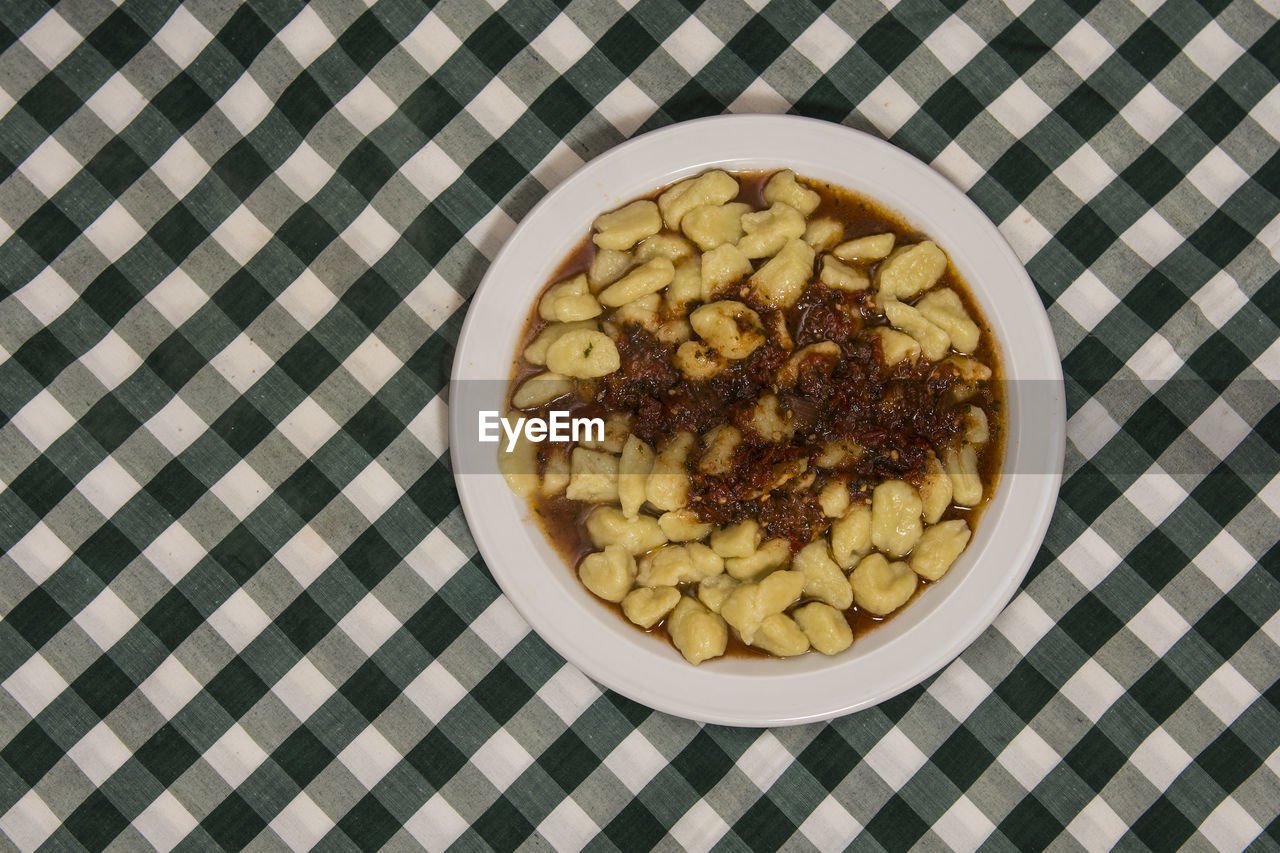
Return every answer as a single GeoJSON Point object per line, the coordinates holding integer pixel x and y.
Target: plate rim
{"type": "Point", "coordinates": [766, 714]}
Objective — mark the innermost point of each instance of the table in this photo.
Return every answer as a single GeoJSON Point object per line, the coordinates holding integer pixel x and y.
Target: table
{"type": "Point", "coordinates": [241, 606]}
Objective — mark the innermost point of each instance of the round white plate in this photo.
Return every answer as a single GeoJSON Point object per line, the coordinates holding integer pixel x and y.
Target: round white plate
{"type": "Point", "coordinates": [941, 622]}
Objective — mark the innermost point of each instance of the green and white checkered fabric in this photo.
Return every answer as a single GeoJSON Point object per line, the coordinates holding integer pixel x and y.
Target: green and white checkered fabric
{"type": "Point", "coordinates": [241, 606]}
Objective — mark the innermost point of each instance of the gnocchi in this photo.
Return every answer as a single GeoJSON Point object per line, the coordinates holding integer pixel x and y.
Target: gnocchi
{"type": "Point", "coordinates": [671, 565]}
{"type": "Point", "coordinates": [823, 579]}
{"type": "Point", "coordinates": [943, 308]}
{"type": "Point", "coordinates": [737, 540]}
{"type": "Point", "coordinates": [896, 510]}
{"type": "Point", "coordinates": [536, 352]}
{"type": "Point", "coordinates": [541, 389]}
{"type": "Point", "coordinates": [668, 485]}
{"type": "Point", "coordinates": [851, 536]}
{"type": "Point", "coordinates": [626, 226]}
{"type": "Point", "coordinates": [712, 225]}
{"type": "Point", "coordinates": [634, 467]}
{"type": "Point", "coordinates": [583, 354]}
{"type": "Point", "coordinates": [766, 232]}
{"type": "Point", "coordinates": [841, 276]}
{"type": "Point", "coordinates": [881, 587]}
{"type": "Point", "coordinates": [698, 633]}
{"type": "Point", "coordinates": [780, 281]}
{"type": "Point", "coordinates": [934, 342]}
{"type": "Point", "coordinates": [962, 467]}
{"type": "Point", "coordinates": [648, 278]}
{"type": "Point", "coordinates": [908, 270]}
{"type": "Point", "coordinates": [569, 301]}
{"type": "Point", "coordinates": [823, 233]}
{"type": "Point", "coordinates": [770, 476]}
{"type": "Point", "coordinates": [722, 267]}
{"type": "Point", "coordinates": [608, 266]}
{"type": "Point", "coordinates": [593, 476]}
{"type": "Point", "coordinates": [683, 525]}
{"type": "Point", "coordinates": [770, 555]}
{"type": "Point", "coordinates": [715, 187]}
{"type": "Point", "coordinates": [610, 573]}
{"type": "Point", "coordinates": [555, 474]}
{"type": "Point", "coordinates": [938, 548]}
{"type": "Point", "coordinates": [698, 361]}
{"type": "Point", "coordinates": [783, 188]}
{"type": "Point", "coordinates": [751, 603]}
{"type": "Point", "coordinates": [647, 605]}
{"type": "Point", "coordinates": [713, 591]}
{"type": "Point", "coordinates": [872, 247]}
{"type": "Point", "coordinates": [779, 635]}
{"type": "Point", "coordinates": [519, 464]}
{"type": "Point", "coordinates": [730, 328]}
{"type": "Point", "coordinates": [606, 525]}
{"type": "Point", "coordinates": [825, 627]}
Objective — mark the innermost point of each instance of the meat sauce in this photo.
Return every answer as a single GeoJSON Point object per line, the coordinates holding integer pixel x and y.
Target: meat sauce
{"type": "Point", "coordinates": [894, 414]}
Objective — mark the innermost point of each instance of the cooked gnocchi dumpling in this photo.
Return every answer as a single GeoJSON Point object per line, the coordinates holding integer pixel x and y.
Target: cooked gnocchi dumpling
{"type": "Point", "coordinates": [583, 354]}
{"type": "Point", "coordinates": [880, 586]}
{"type": "Point", "coordinates": [896, 510]}
{"type": "Point", "coordinates": [766, 232]}
{"type": "Point", "coordinates": [715, 187]}
{"type": "Point", "coordinates": [934, 342]}
{"type": "Point", "coordinates": [668, 485]}
{"type": "Point", "coordinates": [721, 267]}
{"type": "Point", "coordinates": [698, 361]}
{"type": "Point", "coordinates": [823, 233]}
{"type": "Point", "coordinates": [872, 247]}
{"type": "Point", "coordinates": [841, 276]}
{"type": "Point", "coordinates": [610, 573]}
{"type": "Point", "coordinates": [751, 603]}
{"type": "Point", "coordinates": [851, 536]}
{"type": "Point", "coordinates": [536, 352]}
{"type": "Point", "coordinates": [711, 225]}
{"type": "Point", "coordinates": [671, 565]}
{"type": "Point", "coordinates": [569, 301]}
{"type": "Point", "coordinates": [910, 269]}
{"type": "Point", "coordinates": [634, 467]}
{"type": "Point", "coordinates": [781, 281]}
{"type": "Point", "coordinates": [606, 525]}
{"type": "Point", "coordinates": [647, 605]}
{"type": "Point", "coordinates": [698, 633]}
{"type": "Point", "coordinates": [825, 627]}
{"type": "Point", "coordinates": [683, 525]}
{"type": "Point", "coordinates": [541, 389]}
{"type": "Point", "coordinates": [593, 476]}
{"type": "Point", "coordinates": [962, 468]}
{"type": "Point", "coordinates": [608, 266]}
{"type": "Point", "coordinates": [770, 555]}
{"type": "Point", "coordinates": [938, 548]}
{"type": "Point", "coordinates": [626, 226]}
{"type": "Point", "coordinates": [783, 188]}
{"type": "Point", "coordinates": [647, 278]}
{"type": "Point", "coordinates": [730, 328]}
{"type": "Point", "coordinates": [823, 579]}
{"type": "Point", "coordinates": [737, 540]}
{"type": "Point", "coordinates": [779, 635]}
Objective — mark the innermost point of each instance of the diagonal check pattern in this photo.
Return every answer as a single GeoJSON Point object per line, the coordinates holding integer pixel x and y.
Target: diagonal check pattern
{"type": "Point", "coordinates": [240, 605]}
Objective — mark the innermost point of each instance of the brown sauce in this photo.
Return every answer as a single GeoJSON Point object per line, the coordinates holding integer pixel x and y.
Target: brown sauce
{"type": "Point", "coordinates": [821, 314]}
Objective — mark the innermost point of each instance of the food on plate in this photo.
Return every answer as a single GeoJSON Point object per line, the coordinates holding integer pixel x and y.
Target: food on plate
{"type": "Point", "coordinates": [799, 407]}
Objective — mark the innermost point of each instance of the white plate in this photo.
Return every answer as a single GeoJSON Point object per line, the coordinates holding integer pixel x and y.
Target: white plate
{"type": "Point", "coordinates": [941, 622]}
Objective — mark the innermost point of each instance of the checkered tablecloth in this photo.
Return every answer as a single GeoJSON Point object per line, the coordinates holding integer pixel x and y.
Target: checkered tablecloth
{"type": "Point", "coordinates": [241, 606]}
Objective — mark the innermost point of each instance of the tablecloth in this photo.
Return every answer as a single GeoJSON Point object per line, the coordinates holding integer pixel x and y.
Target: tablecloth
{"type": "Point", "coordinates": [241, 606]}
